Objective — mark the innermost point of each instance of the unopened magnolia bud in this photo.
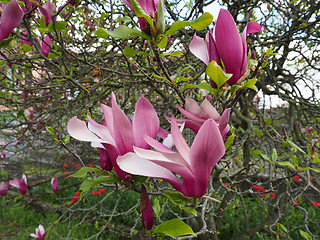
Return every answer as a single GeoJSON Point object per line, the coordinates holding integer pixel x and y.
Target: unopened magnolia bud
{"type": "Point", "coordinates": [160, 18]}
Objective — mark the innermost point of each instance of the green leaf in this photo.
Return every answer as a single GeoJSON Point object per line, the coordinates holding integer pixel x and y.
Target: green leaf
{"type": "Point", "coordinates": [58, 26]}
{"type": "Point", "coordinates": [175, 53]}
{"type": "Point", "coordinates": [66, 139]}
{"type": "Point", "coordinates": [174, 228]}
{"type": "Point", "coordinates": [83, 172]}
{"type": "Point", "coordinates": [163, 43]}
{"type": "Point", "coordinates": [228, 143]}
{"type": "Point", "coordinates": [286, 164]}
{"type": "Point", "coordinates": [293, 145]}
{"type": "Point", "coordinates": [251, 84]}
{"type": "Point", "coordinates": [281, 228]}
{"type": "Point", "coordinates": [156, 207]}
{"type": "Point", "coordinates": [190, 210]}
{"type": "Point", "coordinates": [26, 47]}
{"type": "Point", "coordinates": [121, 32]}
{"type": "Point", "coordinates": [204, 85]}
{"type": "Point", "coordinates": [54, 55]}
{"type": "Point", "coordinates": [274, 155]}
{"type": "Point", "coordinates": [305, 235]}
{"type": "Point", "coordinates": [199, 24]}
{"type": "Point", "coordinates": [176, 197]}
{"type": "Point", "coordinates": [6, 42]}
{"type": "Point", "coordinates": [86, 185]}
{"type": "Point", "coordinates": [215, 72]}
{"type": "Point", "coordinates": [51, 131]}
{"type": "Point", "coordinates": [255, 152]}
{"type": "Point", "coordinates": [317, 170]}
{"type": "Point", "coordinates": [295, 160]}
{"type": "Point", "coordinates": [128, 51]}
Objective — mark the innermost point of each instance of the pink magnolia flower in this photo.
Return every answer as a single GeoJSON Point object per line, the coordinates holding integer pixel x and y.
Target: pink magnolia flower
{"type": "Point", "coordinates": [193, 164]}
{"type": "Point", "coordinates": [4, 187]}
{"type": "Point", "coordinates": [40, 233]}
{"type": "Point", "coordinates": [151, 8]}
{"type": "Point", "coordinates": [47, 10]}
{"type": "Point", "coordinates": [20, 183]}
{"type": "Point", "coordinates": [11, 17]}
{"type": "Point", "coordinates": [54, 184]}
{"type": "Point", "coordinates": [225, 46]}
{"type": "Point", "coordinates": [45, 45]}
{"type": "Point", "coordinates": [196, 115]}
{"type": "Point", "coordinates": [118, 135]}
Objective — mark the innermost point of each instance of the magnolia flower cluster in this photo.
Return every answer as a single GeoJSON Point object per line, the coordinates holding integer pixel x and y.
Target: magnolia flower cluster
{"type": "Point", "coordinates": [22, 185]}
{"type": "Point", "coordinates": [125, 145]}
{"type": "Point", "coordinates": [19, 183]}
{"type": "Point", "coordinates": [12, 15]}
{"type": "Point", "coordinates": [225, 46]}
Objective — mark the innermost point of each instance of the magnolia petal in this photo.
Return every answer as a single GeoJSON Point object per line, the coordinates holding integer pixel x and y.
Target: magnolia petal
{"type": "Point", "coordinates": [168, 141]}
{"type": "Point", "coordinates": [161, 157]}
{"type": "Point", "coordinates": [193, 107]}
{"type": "Point", "coordinates": [199, 49]}
{"type": "Point", "coordinates": [108, 117]}
{"type": "Point", "coordinates": [105, 160]}
{"type": "Point", "coordinates": [145, 122]}
{"type": "Point", "coordinates": [100, 130]}
{"type": "Point", "coordinates": [179, 141]}
{"type": "Point", "coordinates": [45, 45]}
{"type": "Point", "coordinates": [212, 49]}
{"type": "Point", "coordinates": [229, 44]}
{"type": "Point", "coordinates": [207, 107]}
{"type": "Point", "coordinates": [156, 145]}
{"type": "Point", "coordinates": [136, 165]}
{"type": "Point", "coordinates": [207, 149]}
{"type": "Point", "coordinates": [150, 7]}
{"type": "Point", "coordinates": [113, 154]}
{"type": "Point", "coordinates": [224, 120]}
{"type": "Point", "coordinates": [78, 130]}
{"type": "Point", "coordinates": [24, 178]}
{"type": "Point", "coordinates": [47, 15]}
{"type": "Point", "coordinates": [252, 27]}
{"type": "Point", "coordinates": [41, 229]}
{"type": "Point", "coordinates": [96, 145]}
{"type": "Point", "coordinates": [225, 131]}
{"type": "Point", "coordinates": [162, 133]}
{"type": "Point", "coordinates": [128, 3]}
{"type": "Point", "coordinates": [14, 183]}
{"type": "Point", "coordinates": [33, 235]}
{"type": "Point", "coordinates": [192, 125]}
{"type": "Point", "coordinates": [123, 133]}
{"type": "Point", "coordinates": [190, 115]}
{"type": "Point", "coordinates": [10, 18]}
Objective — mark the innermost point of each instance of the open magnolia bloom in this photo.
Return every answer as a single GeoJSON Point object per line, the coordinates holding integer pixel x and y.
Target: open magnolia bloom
{"type": "Point", "coordinates": [20, 183]}
{"type": "Point", "coordinates": [40, 233]}
{"type": "Point", "coordinates": [194, 164]}
{"type": "Point", "coordinates": [225, 46]}
{"type": "Point", "coordinates": [119, 134]}
{"type": "Point", "coordinates": [196, 115]}
{"type": "Point", "coordinates": [10, 18]}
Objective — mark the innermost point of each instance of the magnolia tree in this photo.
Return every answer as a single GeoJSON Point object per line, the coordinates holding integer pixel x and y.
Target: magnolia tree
{"type": "Point", "coordinates": [154, 104]}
